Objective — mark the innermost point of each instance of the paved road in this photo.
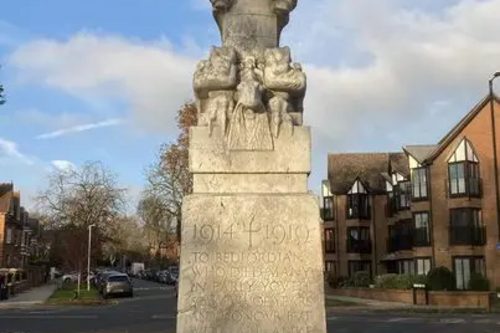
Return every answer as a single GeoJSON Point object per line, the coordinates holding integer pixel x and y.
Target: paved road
{"type": "Point", "coordinates": [153, 311]}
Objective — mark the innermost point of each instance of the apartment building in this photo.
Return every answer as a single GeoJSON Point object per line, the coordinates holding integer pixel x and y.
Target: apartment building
{"type": "Point", "coordinates": [427, 206]}
{"type": "Point", "coordinates": [15, 230]}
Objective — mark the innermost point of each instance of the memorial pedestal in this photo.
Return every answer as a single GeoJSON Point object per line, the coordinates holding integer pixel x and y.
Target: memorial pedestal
{"type": "Point", "coordinates": [251, 254]}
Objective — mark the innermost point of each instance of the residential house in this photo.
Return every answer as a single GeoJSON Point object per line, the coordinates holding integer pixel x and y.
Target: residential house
{"type": "Point", "coordinates": [15, 232]}
{"type": "Point", "coordinates": [427, 206]}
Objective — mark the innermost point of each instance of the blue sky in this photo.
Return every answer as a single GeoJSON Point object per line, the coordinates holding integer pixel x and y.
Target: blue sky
{"type": "Point", "coordinates": [101, 80]}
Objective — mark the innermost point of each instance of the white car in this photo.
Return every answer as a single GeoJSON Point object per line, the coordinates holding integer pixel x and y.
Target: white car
{"type": "Point", "coordinates": [70, 278]}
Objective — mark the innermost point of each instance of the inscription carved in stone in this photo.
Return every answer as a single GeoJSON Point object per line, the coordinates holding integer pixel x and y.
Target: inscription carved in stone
{"type": "Point", "coordinates": [247, 271]}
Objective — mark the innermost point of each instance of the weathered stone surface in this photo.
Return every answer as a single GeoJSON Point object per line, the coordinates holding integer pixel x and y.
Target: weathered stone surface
{"type": "Point", "coordinates": [250, 183]}
{"type": "Point", "coordinates": [209, 154]}
{"type": "Point", "coordinates": [251, 264]}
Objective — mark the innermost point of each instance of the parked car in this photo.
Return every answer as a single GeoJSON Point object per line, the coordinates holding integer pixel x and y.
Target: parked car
{"type": "Point", "coordinates": [173, 272]}
{"type": "Point", "coordinates": [101, 279]}
{"type": "Point", "coordinates": [117, 284]}
{"type": "Point", "coordinates": [70, 277]}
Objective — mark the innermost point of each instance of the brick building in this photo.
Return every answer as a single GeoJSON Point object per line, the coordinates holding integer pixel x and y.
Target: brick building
{"type": "Point", "coordinates": [427, 206]}
{"type": "Point", "coordinates": [15, 231]}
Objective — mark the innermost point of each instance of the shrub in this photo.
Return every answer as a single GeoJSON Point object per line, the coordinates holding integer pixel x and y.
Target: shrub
{"type": "Point", "coordinates": [398, 281]}
{"type": "Point", "coordinates": [478, 282]}
{"type": "Point", "coordinates": [441, 278]}
{"type": "Point", "coordinates": [361, 280]}
{"type": "Point", "coordinates": [335, 281]}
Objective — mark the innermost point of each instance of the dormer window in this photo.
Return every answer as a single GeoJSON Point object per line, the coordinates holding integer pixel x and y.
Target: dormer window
{"type": "Point", "coordinates": [463, 172]}
{"type": "Point", "coordinates": [402, 193]}
{"type": "Point", "coordinates": [419, 183]}
{"type": "Point", "coordinates": [391, 200]}
{"type": "Point", "coordinates": [358, 206]}
{"type": "Point", "coordinates": [328, 212]}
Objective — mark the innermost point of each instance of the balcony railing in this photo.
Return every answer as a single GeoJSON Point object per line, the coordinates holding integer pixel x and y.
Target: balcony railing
{"type": "Point", "coordinates": [421, 237]}
{"type": "Point", "coordinates": [465, 187]}
{"type": "Point", "coordinates": [474, 236]}
{"type": "Point", "coordinates": [327, 214]}
{"type": "Point", "coordinates": [359, 246]}
{"type": "Point", "coordinates": [399, 243]}
{"type": "Point", "coordinates": [362, 214]}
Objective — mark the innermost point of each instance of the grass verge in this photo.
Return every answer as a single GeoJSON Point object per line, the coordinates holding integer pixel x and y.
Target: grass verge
{"type": "Point", "coordinates": [65, 295]}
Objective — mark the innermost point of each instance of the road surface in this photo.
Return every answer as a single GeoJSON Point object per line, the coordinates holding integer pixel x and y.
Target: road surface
{"type": "Point", "coordinates": [153, 311]}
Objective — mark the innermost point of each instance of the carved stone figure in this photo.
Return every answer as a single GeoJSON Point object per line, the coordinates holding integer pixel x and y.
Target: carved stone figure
{"type": "Point", "coordinates": [214, 83]}
{"type": "Point", "coordinates": [286, 81]}
{"type": "Point", "coordinates": [249, 87]}
{"type": "Point", "coordinates": [249, 127]}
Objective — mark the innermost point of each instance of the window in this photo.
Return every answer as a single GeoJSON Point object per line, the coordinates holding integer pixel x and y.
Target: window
{"type": "Point", "coordinates": [329, 240]}
{"type": "Point", "coordinates": [466, 227]}
{"type": "Point", "coordinates": [464, 267]}
{"type": "Point", "coordinates": [463, 172]}
{"type": "Point", "coordinates": [403, 195]}
{"type": "Point", "coordinates": [330, 267]}
{"type": "Point", "coordinates": [400, 236]}
{"type": "Point", "coordinates": [8, 236]}
{"type": "Point", "coordinates": [359, 266]}
{"type": "Point", "coordinates": [419, 183]}
{"type": "Point", "coordinates": [422, 235]}
{"type": "Point", "coordinates": [118, 278]}
{"type": "Point", "coordinates": [328, 212]}
{"type": "Point", "coordinates": [423, 265]}
{"type": "Point", "coordinates": [358, 240]}
{"type": "Point", "coordinates": [358, 206]}
{"type": "Point", "coordinates": [406, 266]}
{"type": "Point", "coordinates": [391, 208]}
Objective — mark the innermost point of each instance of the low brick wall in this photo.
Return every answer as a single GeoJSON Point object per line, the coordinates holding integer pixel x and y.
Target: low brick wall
{"type": "Point", "coordinates": [468, 299]}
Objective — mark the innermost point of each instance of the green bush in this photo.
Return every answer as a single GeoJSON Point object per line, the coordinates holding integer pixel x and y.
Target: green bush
{"type": "Point", "coordinates": [398, 281]}
{"type": "Point", "coordinates": [360, 280]}
{"type": "Point", "coordinates": [441, 278]}
{"type": "Point", "coordinates": [478, 282]}
{"type": "Point", "coordinates": [335, 281]}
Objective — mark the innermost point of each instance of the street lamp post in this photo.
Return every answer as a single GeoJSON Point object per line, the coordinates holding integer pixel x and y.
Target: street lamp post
{"type": "Point", "coordinates": [88, 256]}
{"type": "Point", "coordinates": [494, 135]}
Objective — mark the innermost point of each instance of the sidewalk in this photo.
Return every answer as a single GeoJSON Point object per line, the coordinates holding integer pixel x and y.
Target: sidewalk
{"type": "Point", "coordinates": [369, 303]}
{"type": "Point", "coordinates": [33, 296]}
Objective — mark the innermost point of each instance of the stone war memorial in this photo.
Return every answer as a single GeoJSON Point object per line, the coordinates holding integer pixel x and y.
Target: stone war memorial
{"type": "Point", "coordinates": [251, 255]}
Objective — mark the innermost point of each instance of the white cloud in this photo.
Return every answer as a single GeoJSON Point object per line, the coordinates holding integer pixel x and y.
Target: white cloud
{"type": "Point", "coordinates": [63, 165]}
{"type": "Point", "coordinates": [10, 150]}
{"type": "Point", "coordinates": [80, 128]}
{"type": "Point", "coordinates": [151, 77]}
{"type": "Point", "coordinates": [371, 64]}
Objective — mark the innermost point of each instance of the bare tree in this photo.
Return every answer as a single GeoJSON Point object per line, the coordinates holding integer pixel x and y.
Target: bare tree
{"type": "Point", "coordinates": [157, 221]}
{"type": "Point", "coordinates": [168, 178]}
{"type": "Point", "coordinates": [77, 198]}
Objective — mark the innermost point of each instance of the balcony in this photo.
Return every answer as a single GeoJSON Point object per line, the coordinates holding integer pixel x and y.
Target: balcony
{"type": "Point", "coordinates": [327, 214]}
{"type": "Point", "coordinates": [399, 243]}
{"type": "Point", "coordinates": [472, 236]}
{"type": "Point", "coordinates": [421, 237]}
{"type": "Point", "coordinates": [466, 187]}
{"type": "Point", "coordinates": [359, 246]}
